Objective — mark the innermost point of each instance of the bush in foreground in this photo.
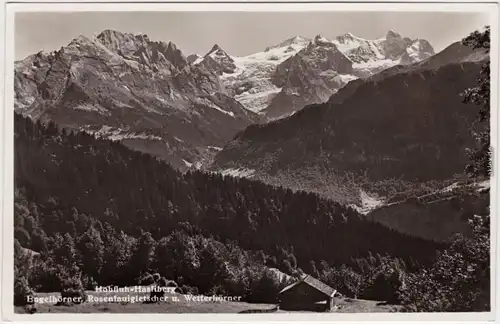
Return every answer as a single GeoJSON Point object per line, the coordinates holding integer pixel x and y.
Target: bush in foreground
{"type": "Point", "coordinates": [22, 292]}
{"type": "Point", "coordinates": [72, 291]}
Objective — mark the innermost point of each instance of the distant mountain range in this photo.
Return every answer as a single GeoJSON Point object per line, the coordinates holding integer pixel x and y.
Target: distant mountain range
{"type": "Point", "coordinates": [406, 123]}
{"type": "Point", "coordinates": [300, 71]}
{"type": "Point", "coordinates": [151, 97]}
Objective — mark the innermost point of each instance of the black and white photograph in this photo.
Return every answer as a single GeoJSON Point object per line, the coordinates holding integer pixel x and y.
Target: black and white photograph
{"type": "Point", "coordinates": [313, 162]}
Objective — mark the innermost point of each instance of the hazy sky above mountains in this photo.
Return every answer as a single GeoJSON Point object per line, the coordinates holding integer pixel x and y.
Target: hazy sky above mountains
{"type": "Point", "coordinates": [238, 33]}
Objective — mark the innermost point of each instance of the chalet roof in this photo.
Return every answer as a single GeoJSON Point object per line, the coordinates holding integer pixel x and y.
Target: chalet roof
{"type": "Point", "coordinates": [313, 282]}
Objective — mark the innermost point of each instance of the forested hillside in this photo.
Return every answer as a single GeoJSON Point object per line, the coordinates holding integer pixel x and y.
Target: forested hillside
{"type": "Point", "coordinates": [67, 209]}
{"type": "Point", "coordinates": [77, 194]}
{"type": "Point", "coordinates": [135, 192]}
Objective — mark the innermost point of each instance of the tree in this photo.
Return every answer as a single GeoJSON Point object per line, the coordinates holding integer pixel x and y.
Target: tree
{"type": "Point", "coordinates": [313, 270]}
{"type": "Point", "coordinates": [459, 280]}
{"type": "Point", "coordinates": [22, 261]}
{"type": "Point", "coordinates": [179, 256]}
{"type": "Point", "coordinates": [143, 254]}
{"type": "Point", "coordinates": [91, 250]}
{"type": "Point", "coordinates": [162, 256]}
{"type": "Point", "coordinates": [22, 236]}
{"type": "Point", "coordinates": [286, 267]}
{"type": "Point", "coordinates": [480, 155]}
{"type": "Point", "coordinates": [39, 240]}
{"type": "Point", "coordinates": [22, 264]}
{"type": "Point", "coordinates": [116, 258]}
{"type": "Point", "coordinates": [64, 250]}
{"type": "Point", "coordinates": [264, 288]}
{"type": "Point", "coordinates": [213, 268]}
{"type": "Point", "coordinates": [386, 280]}
{"type": "Point", "coordinates": [46, 275]}
{"type": "Point", "coordinates": [22, 292]}
{"type": "Point", "coordinates": [272, 262]}
{"type": "Point", "coordinates": [344, 279]}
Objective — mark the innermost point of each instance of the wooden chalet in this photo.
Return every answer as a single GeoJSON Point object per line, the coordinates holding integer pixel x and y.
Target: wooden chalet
{"type": "Point", "coordinates": [307, 294]}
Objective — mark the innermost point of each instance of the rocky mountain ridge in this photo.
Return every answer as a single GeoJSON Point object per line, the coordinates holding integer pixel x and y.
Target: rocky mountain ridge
{"type": "Point", "coordinates": [129, 88]}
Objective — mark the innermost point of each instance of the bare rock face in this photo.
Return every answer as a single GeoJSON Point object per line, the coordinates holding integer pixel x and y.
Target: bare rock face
{"type": "Point", "coordinates": [310, 76]}
{"type": "Point", "coordinates": [218, 61]}
{"type": "Point", "coordinates": [418, 51]}
{"type": "Point", "coordinates": [129, 88]}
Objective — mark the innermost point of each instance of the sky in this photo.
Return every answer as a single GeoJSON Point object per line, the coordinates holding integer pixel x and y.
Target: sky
{"type": "Point", "coordinates": [238, 33]}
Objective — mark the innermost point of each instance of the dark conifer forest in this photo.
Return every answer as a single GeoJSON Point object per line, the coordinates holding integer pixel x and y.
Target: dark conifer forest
{"type": "Point", "coordinates": [85, 192]}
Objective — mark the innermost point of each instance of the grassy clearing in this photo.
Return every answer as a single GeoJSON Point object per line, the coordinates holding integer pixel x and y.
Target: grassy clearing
{"type": "Point", "coordinates": [348, 305]}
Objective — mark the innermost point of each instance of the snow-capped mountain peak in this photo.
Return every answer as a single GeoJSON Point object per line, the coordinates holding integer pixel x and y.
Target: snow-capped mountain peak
{"type": "Point", "coordinates": [392, 34]}
{"type": "Point", "coordinates": [345, 37]}
{"type": "Point", "coordinates": [216, 49]}
{"type": "Point", "coordinates": [218, 53]}
{"type": "Point", "coordinates": [348, 38]}
{"type": "Point", "coordinates": [320, 40]}
{"type": "Point", "coordinates": [319, 64]}
{"type": "Point", "coordinates": [290, 42]}
{"type": "Point", "coordinates": [249, 77]}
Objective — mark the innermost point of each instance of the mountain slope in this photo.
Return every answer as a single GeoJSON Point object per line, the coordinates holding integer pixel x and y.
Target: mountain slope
{"type": "Point", "coordinates": [129, 88]}
{"type": "Point", "coordinates": [409, 124]}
